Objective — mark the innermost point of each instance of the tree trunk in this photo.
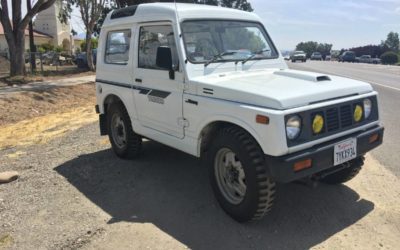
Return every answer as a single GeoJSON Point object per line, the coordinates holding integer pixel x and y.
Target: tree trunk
{"type": "Point", "coordinates": [89, 53]}
{"type": "Point", "coordinates": [17, 58]}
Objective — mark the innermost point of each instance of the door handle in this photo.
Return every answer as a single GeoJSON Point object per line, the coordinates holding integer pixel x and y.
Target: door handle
{"type": "Point", "coordinates": [191, 101]}
{"type": "Point", "coordinates": [138, 80]}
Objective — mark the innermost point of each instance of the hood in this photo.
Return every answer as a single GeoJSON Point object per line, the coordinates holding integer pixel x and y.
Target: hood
{"type": "Point", "coordinates": [278, 89]}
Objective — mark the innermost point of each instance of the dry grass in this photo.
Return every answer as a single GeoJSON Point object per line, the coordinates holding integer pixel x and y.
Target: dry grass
{"type": "Point", "coordinates": [26, 105]}
{"type": "Point", "coordinates": [42, 129]}
{"type": "Point", "coordinates": [28, 118]}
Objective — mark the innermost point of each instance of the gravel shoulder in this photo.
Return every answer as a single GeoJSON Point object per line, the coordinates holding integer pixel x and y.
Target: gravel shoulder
{"type": "Point", "coordinates": [74, 193]}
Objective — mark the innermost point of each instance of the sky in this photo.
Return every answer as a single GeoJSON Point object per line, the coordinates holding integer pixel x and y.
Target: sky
{"type": "Point", "coordinates": [343, 23]}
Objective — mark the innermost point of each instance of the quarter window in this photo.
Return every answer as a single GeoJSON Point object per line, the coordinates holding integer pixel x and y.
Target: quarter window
{"type": "Point", "coordinates": [152, 37]}
{"type": "Point", "coordinates": [117, 47]}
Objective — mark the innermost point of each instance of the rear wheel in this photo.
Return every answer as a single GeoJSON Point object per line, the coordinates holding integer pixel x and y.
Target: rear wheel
{"type": "Point", "coordinates": [125, 142]}
{"type": "Point", "coordinates": [345, 174]}
{"type": "Point", "coordinates": [238, 175]}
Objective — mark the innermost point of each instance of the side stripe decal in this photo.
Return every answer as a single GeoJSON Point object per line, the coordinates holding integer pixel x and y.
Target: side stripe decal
{"type": "Point", "coordinates": [154, 93]}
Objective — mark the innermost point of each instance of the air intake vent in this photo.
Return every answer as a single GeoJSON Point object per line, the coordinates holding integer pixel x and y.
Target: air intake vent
{"type": "Point", "coordinates": [323, 78]}
{"type": "Point", "coordinates": [124, 12]}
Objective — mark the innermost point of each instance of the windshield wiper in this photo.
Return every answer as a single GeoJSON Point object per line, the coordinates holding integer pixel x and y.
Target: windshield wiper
{"type": "Point", "coordinates": [220, 55]}
{"type": "Point", "coordinates": [254, 55]}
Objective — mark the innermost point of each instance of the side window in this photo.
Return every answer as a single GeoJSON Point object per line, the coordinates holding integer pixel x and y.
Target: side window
{"type": "Point", "coordinates": [117, 47]}
{"type": "Point", "coordinates": [152, 37]}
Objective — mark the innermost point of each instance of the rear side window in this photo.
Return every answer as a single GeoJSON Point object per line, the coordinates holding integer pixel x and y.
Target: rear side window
{"type": "Point", "coordinates": [117, 47]}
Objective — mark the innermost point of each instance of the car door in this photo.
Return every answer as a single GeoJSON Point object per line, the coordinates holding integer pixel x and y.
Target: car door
{"type": "Point", "coordinates": [158, 98]}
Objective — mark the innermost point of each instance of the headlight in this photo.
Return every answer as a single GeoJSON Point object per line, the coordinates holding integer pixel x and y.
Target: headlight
{"type": "Point", "coordinates": [293, 127]}
{"type": "Point", "coordinates": [358, 113]}
{"type": "Point", "coordinates": [317, 124]}
{"type": "Point", "coordinates": [367, 108]}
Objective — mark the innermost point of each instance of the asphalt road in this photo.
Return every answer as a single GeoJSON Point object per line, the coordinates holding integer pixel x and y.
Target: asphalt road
{"type": "Point", "coordinates": [385, 80]}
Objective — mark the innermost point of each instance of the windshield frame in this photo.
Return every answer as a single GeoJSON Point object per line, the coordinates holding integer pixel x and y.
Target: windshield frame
{"type": "Point", "coordinates": [262, 29]}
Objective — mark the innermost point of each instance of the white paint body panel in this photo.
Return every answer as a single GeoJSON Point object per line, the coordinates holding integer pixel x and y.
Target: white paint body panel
{"type": "Point", "coordinates": [240, 91]}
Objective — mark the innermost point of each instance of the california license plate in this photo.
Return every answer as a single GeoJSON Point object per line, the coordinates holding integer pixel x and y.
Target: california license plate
{"type": "Point", "coordinates": [345, 151]}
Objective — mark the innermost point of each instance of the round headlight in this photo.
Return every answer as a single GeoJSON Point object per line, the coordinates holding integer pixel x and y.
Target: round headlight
{"type": "Point", "coordinates": [293, 127]}
{"type": "Point", "coordinates": [318, 124]}
{"type": "Point", "coordinates": [367, 108]}
{"type": "Point", "coordinates": [358, 113]}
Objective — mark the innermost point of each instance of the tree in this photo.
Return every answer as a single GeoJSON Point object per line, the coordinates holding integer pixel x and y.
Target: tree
{"type": "Point", "coordinates": [310, 47]}
{"type": "Point", "coordinates": [389, 58]}
{"type": "Point", "coordinates": [91, 11]}
{"type": "Point", "coordinates": [14, 30]}
{"type": "Point", "coordinates": [392, 41]}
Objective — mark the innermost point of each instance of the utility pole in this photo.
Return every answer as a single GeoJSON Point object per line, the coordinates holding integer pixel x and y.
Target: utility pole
{"type": "Point", "coordinates": [32, 47]}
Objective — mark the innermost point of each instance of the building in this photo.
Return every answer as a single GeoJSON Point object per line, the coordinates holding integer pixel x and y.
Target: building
{"type": "Point", "coordinates": [48, 29]}
{"type": "Point", "coordinates": [40, 38]}
{"type": "Point", "coordinates": [47, 22]}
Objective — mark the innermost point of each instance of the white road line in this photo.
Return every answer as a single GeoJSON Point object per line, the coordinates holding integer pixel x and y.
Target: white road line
{"type": "Point", "coordinates": [374, 83]}
{"type": "Point", "coordinates": [385, 86]}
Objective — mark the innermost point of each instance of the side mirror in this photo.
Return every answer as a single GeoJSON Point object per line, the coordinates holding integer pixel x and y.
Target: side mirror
{"type": "Point", "coordinates": [164, 60]}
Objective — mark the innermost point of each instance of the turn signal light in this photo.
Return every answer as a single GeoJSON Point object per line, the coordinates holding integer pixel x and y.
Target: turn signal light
{"type": "Point", "coordinates": [262, 119]}
{"type": "Point", "coordinates": [373, 138]}
{"type": "Point", "coordinates": [300, 165]}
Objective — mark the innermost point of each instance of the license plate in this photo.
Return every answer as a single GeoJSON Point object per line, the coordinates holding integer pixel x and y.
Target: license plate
{"type": "Point", "coordinates": [345, 151]}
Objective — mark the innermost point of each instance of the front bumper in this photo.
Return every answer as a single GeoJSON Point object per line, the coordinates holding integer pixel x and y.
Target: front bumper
{"type": "Point", "coordinates": [281, 168]}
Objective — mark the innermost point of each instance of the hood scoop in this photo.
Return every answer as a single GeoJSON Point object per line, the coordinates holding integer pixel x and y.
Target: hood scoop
{"type": "Point", "coordinates": [307, 76]}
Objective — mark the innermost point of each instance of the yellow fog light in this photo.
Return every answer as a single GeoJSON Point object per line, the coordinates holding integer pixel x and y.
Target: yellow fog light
{"type": "Point", "coordinates": [358, 112]}
{"type": "Point", "coordinates": [318, 124]}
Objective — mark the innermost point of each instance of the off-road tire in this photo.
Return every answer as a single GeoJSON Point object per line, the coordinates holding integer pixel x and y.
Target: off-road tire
{"type": "Point", "coordinates": [133, 145]}
{"type": "Point", "coordinates": [260, 188]}
{"type": "Point", "coordinates": [346, 174]}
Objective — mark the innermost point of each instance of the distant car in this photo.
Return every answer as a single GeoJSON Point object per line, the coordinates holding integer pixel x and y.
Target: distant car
{"type": "Point", "coordinates": [328, 57]}
{"type": "Point", "coordinates": [347, 56]}
{"type": "Point", "coordinates": [287, 57]}
{"type": "Point", "coordinates": [376, 60]}
{"type": "Point", "coordinates": [298, 56]}
{"type": "Point", "coordinates": [369, 59]}
{"type": "Point", "coordinates": [316, 56]}
{"type": "Point", "coordinates": [81, 60]}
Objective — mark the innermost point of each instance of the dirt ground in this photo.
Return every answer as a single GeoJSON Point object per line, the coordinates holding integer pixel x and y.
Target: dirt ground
{"type": "Point", "coordinates": [75, 193]}
{"type": "Point", "coordinates": [20, 106]}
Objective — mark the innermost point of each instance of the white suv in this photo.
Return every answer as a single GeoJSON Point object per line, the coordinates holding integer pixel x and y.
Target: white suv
{"type": "Point", "coordinates": [209, 81]}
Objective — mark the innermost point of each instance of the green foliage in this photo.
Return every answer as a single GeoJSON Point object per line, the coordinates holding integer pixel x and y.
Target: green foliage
{"type": "Point", "coordinates": [94, 44]}
{"type": "Point", "coordinates": [58, 49]}
{"type": "Point", "coordinates": [392, 41]}
{"type": "Point", "coordinates": [247, 40]}
{"type": "Point", "coordinates": [46, 47]}
{"type": "Point", "coordinates": [41, 50]}
{"type": "Point", "coordinates": [310, 47]}
{"type": "Point", "coordinates": [389, 58]}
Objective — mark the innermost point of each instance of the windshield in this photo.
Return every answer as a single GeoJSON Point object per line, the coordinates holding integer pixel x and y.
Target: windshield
{"type": "Point", "coordinates": [225, 41]}
{"type": "Point", "coordinates": [298, 52]}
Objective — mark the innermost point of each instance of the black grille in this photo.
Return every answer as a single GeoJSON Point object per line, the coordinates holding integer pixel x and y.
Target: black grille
{"type": "Point", "coordinates": [332, 119]}
{"type": "Point", "coordinates": [346, 117]}
{"type": "Point", "coordinates": [336, 120]}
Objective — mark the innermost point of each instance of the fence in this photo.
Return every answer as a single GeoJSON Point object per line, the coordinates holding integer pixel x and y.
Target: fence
{"type": "Point", "coordinates": [44, 63]}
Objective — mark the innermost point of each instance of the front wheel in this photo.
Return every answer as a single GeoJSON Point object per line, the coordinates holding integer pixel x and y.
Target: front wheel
{"type": "Point", "coordinates": [238, 175]}
{"type": "Point", "coordinates": [345, 174]}
{"type": "Point", "coordinates": [125, 142]}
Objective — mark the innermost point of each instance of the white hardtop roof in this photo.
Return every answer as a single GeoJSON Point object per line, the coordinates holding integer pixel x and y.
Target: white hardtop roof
{"type": "Point", "coordinates": [167, 12]}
